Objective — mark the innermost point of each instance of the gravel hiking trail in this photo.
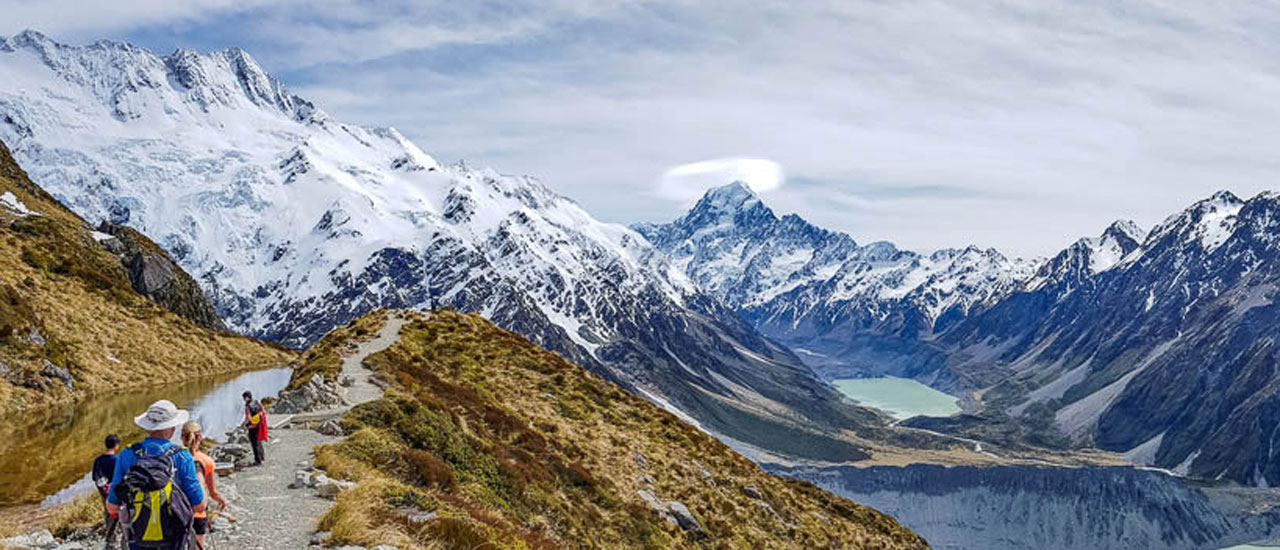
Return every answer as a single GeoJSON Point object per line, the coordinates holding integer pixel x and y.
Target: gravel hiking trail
{"type": "Point", "coordinates": [270, 515]}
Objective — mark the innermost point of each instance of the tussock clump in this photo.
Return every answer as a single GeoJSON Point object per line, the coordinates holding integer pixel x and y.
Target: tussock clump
{"type": "Point", "coordinates": [491, 442]}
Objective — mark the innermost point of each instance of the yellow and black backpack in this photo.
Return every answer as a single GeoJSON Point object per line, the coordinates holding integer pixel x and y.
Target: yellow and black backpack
{"type": "Point", "coordinates": [156, 514]}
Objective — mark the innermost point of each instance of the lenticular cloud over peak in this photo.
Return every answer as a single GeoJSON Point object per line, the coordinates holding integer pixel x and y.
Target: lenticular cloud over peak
{"type": "Point", "coordinates": [687, 182]}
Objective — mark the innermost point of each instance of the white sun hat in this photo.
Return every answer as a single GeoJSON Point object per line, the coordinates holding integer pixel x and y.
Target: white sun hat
{"type": "Point", "coordinates": [161, 415]}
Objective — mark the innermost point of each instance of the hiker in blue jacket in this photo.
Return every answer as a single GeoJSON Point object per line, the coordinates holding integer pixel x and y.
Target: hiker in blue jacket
{"type": "Point", "coordinates": [160, 421]}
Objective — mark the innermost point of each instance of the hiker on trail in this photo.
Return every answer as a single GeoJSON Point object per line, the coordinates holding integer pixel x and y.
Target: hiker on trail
{"type": "Point", "coordinates": [155, 487]}
{"type": "Point", "coordinates": [206, 473]}
{"type": "Point", "coordinates": [255, 422]}
{"type": "Point", "coordinates": [104, 468]}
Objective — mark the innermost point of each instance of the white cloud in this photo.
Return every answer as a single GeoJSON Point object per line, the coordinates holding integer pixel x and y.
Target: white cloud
{"type": "Point", "coordinates": [687, 182]}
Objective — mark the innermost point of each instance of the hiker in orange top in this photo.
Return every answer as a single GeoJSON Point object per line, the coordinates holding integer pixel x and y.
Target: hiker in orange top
{"type": "Point", "coordinates": [255, 422]}
{"type": "Point", "coordinates": [206, 473]}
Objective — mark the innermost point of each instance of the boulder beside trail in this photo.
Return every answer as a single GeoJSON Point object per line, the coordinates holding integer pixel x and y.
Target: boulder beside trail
{"type": "Point", "coordinates": [314, 394]}
{"type": "Point", "coordinates": [328, 487]}
{"type": "Point", "coordinates": [232, 452]}
{"type": "Point", "coordinates": [330, 428]}
{"type": "Point", "coordinates": [38, 540]}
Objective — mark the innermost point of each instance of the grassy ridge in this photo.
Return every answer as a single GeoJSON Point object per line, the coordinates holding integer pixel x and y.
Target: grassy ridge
{"type": "Point", "coordinates": [509, 446]}
{"type": "Point", "coordinates": [66, 303]}
{"type": "Point", "coordinates": [325, 356]}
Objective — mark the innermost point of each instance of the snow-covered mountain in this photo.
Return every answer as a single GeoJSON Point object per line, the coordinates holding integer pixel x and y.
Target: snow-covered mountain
{"type": "Point", "coordinates": [1078, 263]}
{"type": "Point", "coordinates": [838, 303]}
{"type": "Point", "coordinates": [1169, 355]}
{"type": "Point", "coordinates": [295, 222]}
{"type": "Point", "coordinates": [1160, 345]}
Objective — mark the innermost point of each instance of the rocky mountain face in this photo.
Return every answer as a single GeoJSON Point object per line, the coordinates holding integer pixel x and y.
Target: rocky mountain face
{"type": "Point", "coordinates": [157, 276]}
{"type": "Point", "coordinates": [74, 324]}
{"type": "Point", "coordinates": [1167, 355]}
{"type": "Point", "coordinates": [1030, 508]}
{"type": "Point", "coordinates": [844, 307]}
{"type": "Point", "coordinates": [295, 223]}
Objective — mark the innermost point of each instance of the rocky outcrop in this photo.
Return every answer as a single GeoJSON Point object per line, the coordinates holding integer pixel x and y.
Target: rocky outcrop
{"type": "Point", "coordinates": [154, 274]}
{"type": "Point", "coordinates": [313, 395]}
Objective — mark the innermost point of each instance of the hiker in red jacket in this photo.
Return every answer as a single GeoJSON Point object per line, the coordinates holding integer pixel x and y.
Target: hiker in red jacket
{"type": "Point", "coordinates": [255, 422]}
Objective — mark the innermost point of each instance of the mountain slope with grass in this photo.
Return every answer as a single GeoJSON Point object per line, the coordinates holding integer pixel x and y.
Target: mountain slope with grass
{"type": "Point", "coordinates": [73, 324]}
{"type": "Point", "coordinates": [483, 440]}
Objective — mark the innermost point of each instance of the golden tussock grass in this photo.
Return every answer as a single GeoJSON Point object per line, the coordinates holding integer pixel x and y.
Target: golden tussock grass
{"type": "Point", "coordinates": [512, 447]}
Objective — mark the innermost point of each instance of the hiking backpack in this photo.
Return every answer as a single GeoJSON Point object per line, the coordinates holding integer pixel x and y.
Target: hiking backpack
{"type": "Point", "coordinates": [156, 515]}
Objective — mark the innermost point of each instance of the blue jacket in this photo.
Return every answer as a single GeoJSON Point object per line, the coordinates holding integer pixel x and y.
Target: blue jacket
{"type": "Point", "coordinates": [184, 470]}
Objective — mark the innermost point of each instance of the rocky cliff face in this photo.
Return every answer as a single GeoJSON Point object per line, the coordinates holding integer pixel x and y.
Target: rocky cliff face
{"type": "Point", "coordinates": [155, 275]}
{"type": "Point", "coordinates": [1028, 508]}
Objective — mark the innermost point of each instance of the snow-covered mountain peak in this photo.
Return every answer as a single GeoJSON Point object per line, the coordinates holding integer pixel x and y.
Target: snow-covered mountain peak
{"type": "Point", "coordinates": [136, 83]}
{"type": "Point", "coordinates": [733, 246]}
{"type": "Point", "coordinates": [727, 206]}
{"type": "Point", "coordinates": [731, 196]}
{"type": "Point", "coordinates": [302, 202]}
{"type": "Point", "coordinates": [1209, 222]}
{"type": "Point", "coordinates": [1125, 229]}
{"type": "Point", "coordinates": [1119, 242]}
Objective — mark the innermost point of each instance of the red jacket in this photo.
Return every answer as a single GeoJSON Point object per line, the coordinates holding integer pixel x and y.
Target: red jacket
{"type": "Point", "coordinates": [251, 409]}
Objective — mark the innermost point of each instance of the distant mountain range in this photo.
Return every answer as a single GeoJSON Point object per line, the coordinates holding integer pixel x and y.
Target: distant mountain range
{"type": "Point", "coordinates": [848, 309]}
{"type": "Point", "coordinates": [1159, 344]}
{"type": "Point", "coordinates": [295, 223]}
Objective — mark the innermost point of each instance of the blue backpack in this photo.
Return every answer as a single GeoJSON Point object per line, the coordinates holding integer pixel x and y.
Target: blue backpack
{"type": "Point", "coordinates": [156, 515]}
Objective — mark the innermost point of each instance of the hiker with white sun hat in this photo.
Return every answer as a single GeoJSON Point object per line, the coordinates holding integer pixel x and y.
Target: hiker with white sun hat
{"type": "Point", "coordinates": [154, 514]}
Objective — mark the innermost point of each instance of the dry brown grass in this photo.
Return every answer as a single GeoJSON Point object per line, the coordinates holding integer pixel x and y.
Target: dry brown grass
{"type": "Point", "coordinates": [81, 513]}
{"type": "Point", "coordinates": [57, 280]}
{"type": "Point", "coordinates": [513, 447]}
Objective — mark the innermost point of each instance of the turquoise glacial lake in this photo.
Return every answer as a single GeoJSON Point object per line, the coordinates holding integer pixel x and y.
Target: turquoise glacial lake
{"type": "Point", "coordinates": [901, 398]}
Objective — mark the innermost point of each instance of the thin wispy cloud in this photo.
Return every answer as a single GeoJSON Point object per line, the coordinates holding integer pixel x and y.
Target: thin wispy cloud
{"type": "Point", "coordinates": [687, 182]}
{"type": "Point", "coordinates": [1019, 125]}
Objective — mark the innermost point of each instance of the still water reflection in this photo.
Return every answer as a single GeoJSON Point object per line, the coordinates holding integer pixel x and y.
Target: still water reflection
{"type": "Point", "coordinates": [45, 453]}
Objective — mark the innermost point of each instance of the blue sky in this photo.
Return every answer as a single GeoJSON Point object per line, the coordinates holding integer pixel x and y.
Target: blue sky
{"type": "Point", "coordinates": [1020, 125]}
